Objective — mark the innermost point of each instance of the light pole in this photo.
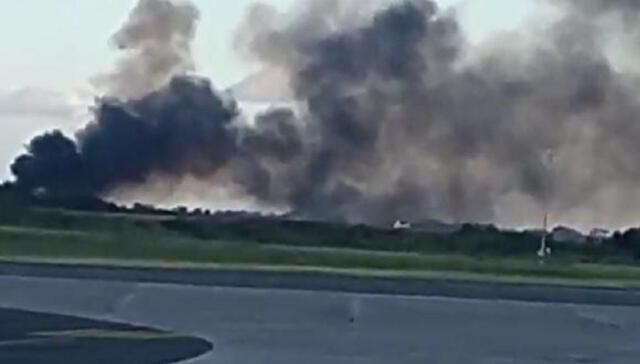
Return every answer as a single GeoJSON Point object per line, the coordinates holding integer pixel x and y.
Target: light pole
{"type": "Point", "coordinates": [544, 250]}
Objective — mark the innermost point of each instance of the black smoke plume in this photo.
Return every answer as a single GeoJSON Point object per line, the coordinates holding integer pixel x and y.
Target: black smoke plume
{"type": "Point", "coordinates": [398, 117]}
{"type": "Point", "coordinates": [178, 130]}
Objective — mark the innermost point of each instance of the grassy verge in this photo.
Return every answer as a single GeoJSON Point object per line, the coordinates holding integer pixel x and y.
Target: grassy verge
{"type": "Point", "coordinates": [160, 247]}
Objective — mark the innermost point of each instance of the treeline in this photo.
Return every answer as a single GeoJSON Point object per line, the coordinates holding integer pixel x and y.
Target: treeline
{"type": "Point", "coordinates": [470, 239]}
{"type": "Point", "coordinates": [75, 212]}
{"type": "Point", "coordinates": [12, 197]}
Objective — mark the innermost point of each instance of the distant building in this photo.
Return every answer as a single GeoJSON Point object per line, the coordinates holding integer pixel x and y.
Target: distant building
{"type": "Point", "coordinates": [563, 234]}
{"type": "Point", "coordinates": [40, 192]}
{"type": "Point", "coordinates": [598, 235]}
{"type": "Point", "coordinates": [401, 225]}
{"type": "Point", "coordinates": [436, 227]}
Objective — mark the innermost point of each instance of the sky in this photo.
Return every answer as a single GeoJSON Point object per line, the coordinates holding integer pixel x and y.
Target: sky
{"type": "Point", "coordinates": [51, 50]}
{"type": "Point", "coordinates": [59, 45]}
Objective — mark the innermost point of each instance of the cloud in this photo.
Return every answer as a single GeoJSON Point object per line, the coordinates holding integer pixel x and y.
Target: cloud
{"type": "Point", "coordinates": [36, 102]}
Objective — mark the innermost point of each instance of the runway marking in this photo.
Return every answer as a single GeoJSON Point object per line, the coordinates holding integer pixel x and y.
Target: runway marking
{"type": "Point", "coordinates": [26, 342]}
{"type": "Point", "coordinates": [49, 337]}
{"type": "Point", "coordinates": [109, 334]}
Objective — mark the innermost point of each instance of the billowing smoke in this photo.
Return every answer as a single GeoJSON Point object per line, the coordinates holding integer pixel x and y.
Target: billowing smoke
{"type": "Point", "coordinates": [411, 120]}
{"type": "Point", "coordinates": [399, 117]}
{"type": "Point", "coordinates": [181, 129]}
{"type": "Point", "coordinates": [597, 7]}
{"type": "Point", "coordinates": [156, 40]}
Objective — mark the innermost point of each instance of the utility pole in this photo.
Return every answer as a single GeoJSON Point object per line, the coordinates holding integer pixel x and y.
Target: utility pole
{"type": "Point", "coordinates": [544, 250]}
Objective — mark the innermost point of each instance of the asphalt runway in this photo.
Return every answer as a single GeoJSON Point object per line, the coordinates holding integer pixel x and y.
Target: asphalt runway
{"type": "Point", "coordinates": [318, 281]}
{"type": "Point", "coordinates": [39, 338]}
{"type": "Point", "coordinates": [310, 323]}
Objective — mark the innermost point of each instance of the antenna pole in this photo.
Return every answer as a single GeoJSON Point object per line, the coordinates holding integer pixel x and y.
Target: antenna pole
{"type": "Point", "coordinates": [544, 250]}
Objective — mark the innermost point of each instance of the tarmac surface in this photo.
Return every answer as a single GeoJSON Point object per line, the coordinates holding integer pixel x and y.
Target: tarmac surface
{"type": "Point", "coordinates": [318, 281]}
{"type": "Point", "coordinates": [257, 317]}
{"type": "Point", "coordinates": [34, 338]}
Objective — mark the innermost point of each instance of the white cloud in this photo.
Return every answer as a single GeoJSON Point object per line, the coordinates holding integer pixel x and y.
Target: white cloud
{"type": "Point", "coordinates": [35, 102]}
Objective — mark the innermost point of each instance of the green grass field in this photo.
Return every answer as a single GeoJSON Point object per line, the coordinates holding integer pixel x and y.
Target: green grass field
{"type": "Point", "coordinates": [162, 247]}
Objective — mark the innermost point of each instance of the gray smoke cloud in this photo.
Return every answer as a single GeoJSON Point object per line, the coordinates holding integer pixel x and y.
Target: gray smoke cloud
{"type": "Point", "coordinates": [156, 41]}
{"type": "Point", "coordinates": [405, 126]}
{"type": "Point", "coordinates": [399, 117]}
{"type": "Point", "coordinates": [598, 7]}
